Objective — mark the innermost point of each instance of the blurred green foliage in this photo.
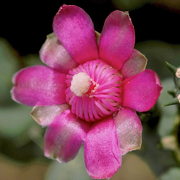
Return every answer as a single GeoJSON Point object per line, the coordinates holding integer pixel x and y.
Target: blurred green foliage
{"type": "Point", "coordinates": [74, 170]}
{"type": "Point", "coordinates": [158, 159]}
{"type": "Point", "coordinates": [169, 113]}
{"type": "Point", "coordinates": [14, 120]}
{"type": "Point", "coordinates": [17, 134]}
{"type": "Point", "coordinates": [9, 65]}
{"type": "Point", "coordinates": [172, 174]}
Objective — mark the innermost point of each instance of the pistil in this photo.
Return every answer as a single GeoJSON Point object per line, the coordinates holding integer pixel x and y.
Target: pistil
{"type": "Point", "coordinates": [80, 84]}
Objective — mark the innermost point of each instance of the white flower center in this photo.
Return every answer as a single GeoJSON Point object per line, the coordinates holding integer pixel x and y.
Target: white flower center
{"type": "Point", "coordinates": [80, 83]}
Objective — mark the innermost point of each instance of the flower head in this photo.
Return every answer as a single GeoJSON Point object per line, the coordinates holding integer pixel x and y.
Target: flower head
{"type": "Point", "coordinates": [91, 90]}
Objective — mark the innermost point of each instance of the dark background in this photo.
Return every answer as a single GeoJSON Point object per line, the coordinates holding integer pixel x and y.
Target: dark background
{"type": "Point", "coordinates": [25, 24]}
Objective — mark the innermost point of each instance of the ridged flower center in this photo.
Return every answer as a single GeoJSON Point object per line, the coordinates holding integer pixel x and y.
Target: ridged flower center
{"type": "Point", "coordinates": [94, 90]}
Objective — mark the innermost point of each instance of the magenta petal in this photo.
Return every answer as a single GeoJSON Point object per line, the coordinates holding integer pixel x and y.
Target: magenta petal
{"type": "Point", "coordinates": [141, 91]}
{"type": "Point", "coordinates": [134, 65]}
{"type": "Point", "coordinates": [75, 30]}
{"type": "Point", "coordinates": [55, 55]}
{"type": "Point", "coordinates": [64, 137]}
{"type": "Point", "coordinates": [117, 39]}
{"type": "Point", "coordinates": [102, 154]}
{"type": "Point", "coordinates": [129, 130]}
{"type": "Point", "coordinates": [39, 85]}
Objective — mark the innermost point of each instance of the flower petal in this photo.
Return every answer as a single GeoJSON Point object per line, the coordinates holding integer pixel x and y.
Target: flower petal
{"type": "Point", "coordinates": [117, 39]}
{"type": "Point", "coordinates": [44, 115]}
{"type": "Point", "coordinates": [129, 130]}
{"type": "Point", "coordinates": [134, 65]}
{"type": "Point", "coordinates": [39, 85]}
{"type": "Point", "coordinates": [141, 91]}
{"type": "Point", "coordinates": [75, 30]}
{"type": "Point", "coordinates": [64, 137]}
{"type": "Point", "coordinates": [55, 55]}
{"type": "Point", "coordinates": [102, 154]}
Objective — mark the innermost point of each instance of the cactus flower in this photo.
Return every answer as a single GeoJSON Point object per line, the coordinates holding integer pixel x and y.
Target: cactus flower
{"type": "Point", "coordinates": [89, 90]}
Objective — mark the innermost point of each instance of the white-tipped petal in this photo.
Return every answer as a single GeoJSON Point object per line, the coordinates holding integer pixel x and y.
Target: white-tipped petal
{"type": "Point", "coordinates": [44, 115]}
{"type": "Point", "coordinates": [129, 130]}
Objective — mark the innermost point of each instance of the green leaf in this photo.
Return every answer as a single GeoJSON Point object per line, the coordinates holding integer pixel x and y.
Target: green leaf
{"type": "Point", "coordinates": [176, 102]}
{"type": "Point", "coordinates": [172, 174]}
{"type": "Point", "coordinates": [14, 120]}
{"type": "Point", "coordinates": [151, 151]}
{"type": "Point", "coordinates": [168, 117]}
{"type": "Point", "coordinates": [24, 153]}
{"type": "Point", "coordinates": [172, 93]}
{"type": "Point", "coordinates": [73, 170]}
{"type": "Point", "coordinates": [8, 66]}
{"type": "Point", "coordinates": [171, 67]}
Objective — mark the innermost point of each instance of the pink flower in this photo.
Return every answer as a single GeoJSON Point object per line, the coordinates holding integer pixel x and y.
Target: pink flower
{"type": "Point", "coordinates": [91, 90]}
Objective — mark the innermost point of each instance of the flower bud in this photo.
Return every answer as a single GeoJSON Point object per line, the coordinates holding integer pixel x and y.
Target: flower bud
{"type": "Point", "coordinates": [178, 73]}
{"type": "Point", "coordinates": [178, 97]}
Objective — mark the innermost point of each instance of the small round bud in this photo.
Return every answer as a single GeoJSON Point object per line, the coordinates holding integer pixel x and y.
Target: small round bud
{"type": "Point", "coordinates": [169, 142]}
{"type": "Point", "coordinates": [178, 97]}
{"type": "Point", "coordinates": [178, 73]}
